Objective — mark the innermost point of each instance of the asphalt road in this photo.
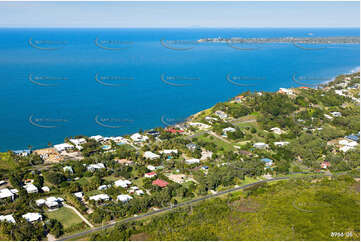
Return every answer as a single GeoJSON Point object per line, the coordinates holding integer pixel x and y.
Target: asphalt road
{"type": "Point", "coordinates": [166, 209]}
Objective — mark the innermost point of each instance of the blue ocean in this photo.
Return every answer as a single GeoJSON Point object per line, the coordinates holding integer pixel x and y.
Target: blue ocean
{"type": "Point", "coordinates": [57, 83]}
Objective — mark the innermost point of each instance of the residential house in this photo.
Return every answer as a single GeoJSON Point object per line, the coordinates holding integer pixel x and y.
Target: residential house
{"type": "Point", "coordinates": [260, 145]}
{"type": "Point", "coordinates": [178, 178]}
{"type": "Point", "coordinates": [6, 193]}
{"type": "Point", "coordinates": [22, 152]}
{"type": "Point", "coordinates": [124, 161]}
{"type": "Point", "coordinates": [122, 183]}
{"type": "Point", "coordinates": [63, 147]}
{"type": "Point", "coordinates": [191, 146]}
{"type": "Point", "coordinates": [68, 169]}
{"type": "Point", "coordinates": [103, 187]}
{"type": "Point", "coordinates": [49, 155]}
{"type": "Point", "coordinates": [285, 91]}
{"type": "Point", "coordinates": [336, 114]}
{"type": "Point", "coordinates": [168, 152]}
{"type": "Point", "coordinates": [32, 217]}
{"type": "Point", "coordinates": [174, 131]}
{"type": "Point", "coordinates": [221, 114]}
{"type": "Point", "coordinates": [100, 197]}
{"type": "Point", "coordinates": [281, 143]}
{"type": "Point", "coordinates": [228, 129]}
{"type": "Point", "coordinates": [97, 138]}
{"type": "Point", "coordinates": [93, 167]}
{"type": "Point", "coordinates": [192, 161]}
{"type": "Point", "coordinates": [45, 189]}
{"type": "Point", "coordinates": [79, 195]}
{"type": "Point", "coordinates": [150, 174]}
{"type": "Point", "coordinates": [277, 130]}
{"type": "Point", "coordinates": [139, 138]}
{"type": "Point", "coordinates": [7, 218]}
{"type": "Point", "coordinates": [30, 188]}
{"type": "Point", "coordinates": [328, 116]}
{"type": "Point", "coordinates": [150, 155]}
{"type": "Point", "coordinates": [160, 183]}
{"type": "Point", "coordinates": [124, 198]}
{"type": "Point", "coordinates": [151, 168]}
{"type": "Point", "coordinates": [268, 162]}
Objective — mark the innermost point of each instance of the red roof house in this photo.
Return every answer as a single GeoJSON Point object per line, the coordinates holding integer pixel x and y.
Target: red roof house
{"type": "Point", "coordinates": [160, 183]}
{"type": "Point", "coordinates": [150, 174]}
{"type": "Point", "coordinates": [174, 131]}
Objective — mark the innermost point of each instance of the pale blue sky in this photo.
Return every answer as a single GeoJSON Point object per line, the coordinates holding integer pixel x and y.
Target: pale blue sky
{"type": "Point", "coordinates": [179, 14]}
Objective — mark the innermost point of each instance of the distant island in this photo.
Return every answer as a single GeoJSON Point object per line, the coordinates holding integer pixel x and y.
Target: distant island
{"type": "Point", "coordinates": [302, 40]}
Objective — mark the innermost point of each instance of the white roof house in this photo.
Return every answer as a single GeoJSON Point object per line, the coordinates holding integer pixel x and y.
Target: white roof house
{"type": "Point", "coordinates": [139, 192]}
{"type": "Point", "coordinates": [100, 197]}
{"type": "Point", "coordinates": [32, 217]}
{"type": "Point", "coordinates": [93, 167]}
{"type": "Point", "coordinates": [352, 144]}
{"type": "Point", "coordinates": [103, 187]}
{"type": "Point", "coordinates": [30, 188]}
{"type": "Point", "coordinates": [221, 114]}
{"type": "Point", "coordinates": [97, 138]}
{"type": "Point", "coordinates": [119, 139]}
{"type": "Point", "coordinates": [336, 114]}
{"type": "Point", "coordinates": [343, 142]}
{"type": "Point", "coordinates": [40, 202]}
{"type": "Point", "coordinates": [124, 198]}
{"type": "Point", "coordinates": [139, 138]}
{"type": "Point", "coordinates": [62, 147]}
{"type": "Point", "coordinates": [277, 130]}
{"type": "Point", "coordinates": [15, 191]}
{"type": "Point", "coordinates": [78, 141]}
{"type": "Point", "coordinates": [151, 168]}
{"type": "Point", "coordinates": [229, 129]}
{"type": "Point", "coordinates": [122, 183]}
{"type": "Point", "coordinates": [328, 116]}
{"type": "Point", "coordinates": [68, 168]}
{"type": "Point", "coordinates": [281, 143]}
{"type": "Point", "coordinates": [150, 155]}
{"type": "Point", "coordinates": [167, 152]}
{"type": "Point", "coordinates": [45, 189]}
{"type": "Point", "coordinates": [78, 194]}
{"type": "Point", "coordinates": [346, 148]}
{"type": "Point", "coordinates": [192, 161]}
{"type": "Point", "coordinates": [285, 91]}
{"type": "Point", "coordinates": [7, 218]}
{"type": "Point", "coordinates": [6, 193]}
{"type": "Point", "coordinates": [150, 174]}
{"type": "Point", "coordinates": [206, 154]}
{"type": "Point", "coordinates": [50, 202]}
{"type": "Point", "coordinates": [260, 145]}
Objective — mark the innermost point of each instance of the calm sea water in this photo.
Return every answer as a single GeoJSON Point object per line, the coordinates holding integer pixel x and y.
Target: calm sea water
{"type": "Point", "coordinates": [66, 82]}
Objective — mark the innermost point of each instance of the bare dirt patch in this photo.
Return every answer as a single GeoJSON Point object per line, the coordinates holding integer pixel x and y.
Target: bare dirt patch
{"type": "Point", "coordinates": [140, 237]}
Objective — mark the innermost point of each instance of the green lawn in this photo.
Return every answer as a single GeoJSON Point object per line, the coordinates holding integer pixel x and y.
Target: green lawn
{"type": "Point", "coordinates": [218, 142]}
{"type": "Point", "coordinates": [65, 216]}
{"type": "Point", "coordinates": [6, 162]}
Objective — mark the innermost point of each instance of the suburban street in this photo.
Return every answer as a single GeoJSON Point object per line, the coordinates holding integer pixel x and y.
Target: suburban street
{"type": "Point", "coordinates": [70, 237]}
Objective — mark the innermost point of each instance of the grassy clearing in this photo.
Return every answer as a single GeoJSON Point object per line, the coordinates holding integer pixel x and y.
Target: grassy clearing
{"type": "Point", "coordinates": [65, 216]}
{"type": "Point", "coordinates": [218, 142]}
{"type": "Point", "coordinates": [6, 162]}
